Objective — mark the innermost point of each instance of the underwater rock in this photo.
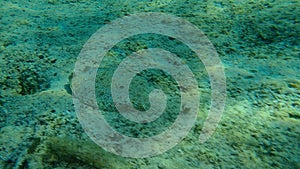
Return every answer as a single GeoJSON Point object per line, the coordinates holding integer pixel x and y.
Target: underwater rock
{"type": "Point", "coordinates": [71, 149]}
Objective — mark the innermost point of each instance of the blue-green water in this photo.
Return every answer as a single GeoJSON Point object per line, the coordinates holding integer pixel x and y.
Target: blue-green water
{"type": "Point", "coordinates": [257, 43]}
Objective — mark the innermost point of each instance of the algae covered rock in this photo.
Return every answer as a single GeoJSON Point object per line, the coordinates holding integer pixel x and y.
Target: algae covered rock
{"type": "Point", "coordinates": [26, 74]}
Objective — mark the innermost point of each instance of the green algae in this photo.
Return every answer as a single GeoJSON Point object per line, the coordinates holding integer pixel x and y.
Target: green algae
{"type": "Point", "coordinates": [257, 40]}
